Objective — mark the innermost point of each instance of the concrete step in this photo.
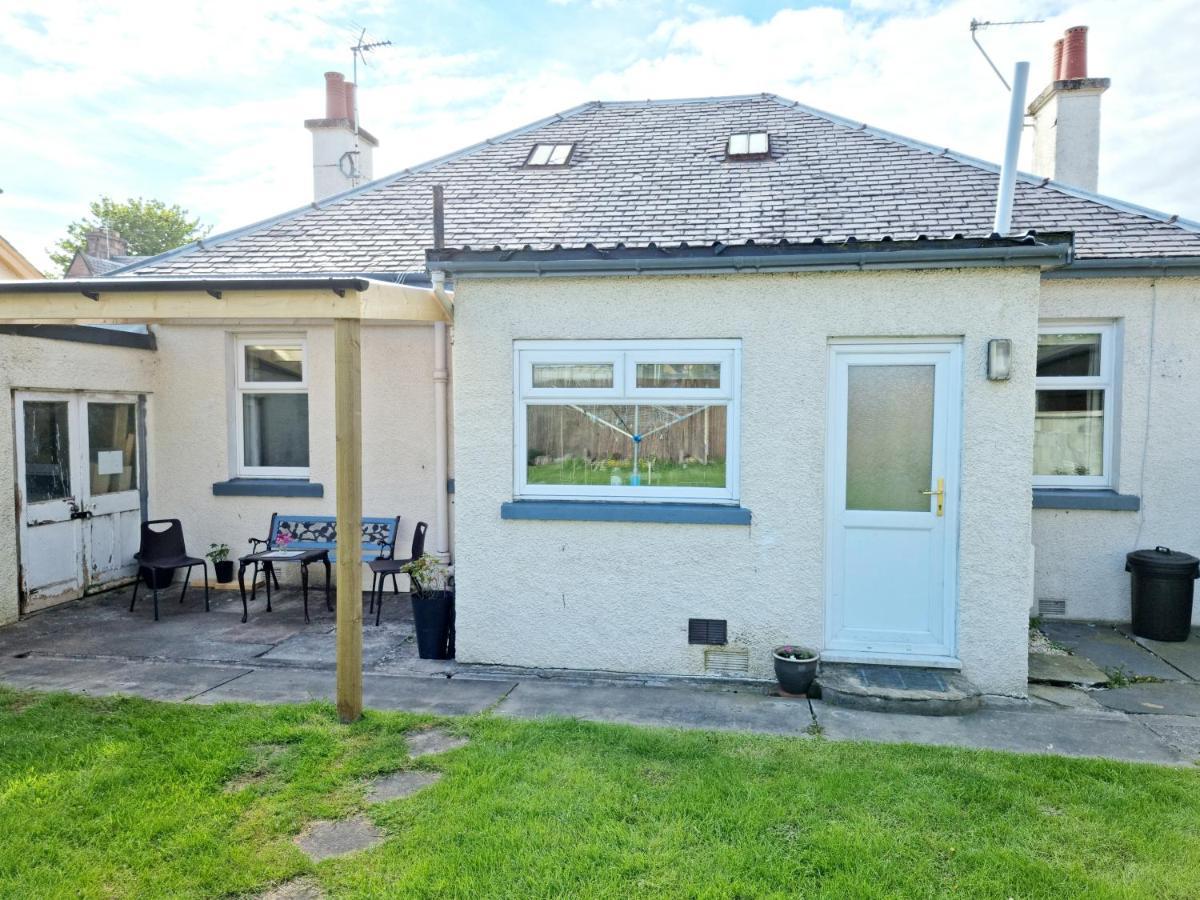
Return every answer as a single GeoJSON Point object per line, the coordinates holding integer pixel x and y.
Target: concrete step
{"type": "Point", "coordinates": [897, 689]}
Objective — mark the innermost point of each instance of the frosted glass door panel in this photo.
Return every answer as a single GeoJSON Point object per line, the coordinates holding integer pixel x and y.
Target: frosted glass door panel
{"type": "Point", "coordinates": [889, 437]}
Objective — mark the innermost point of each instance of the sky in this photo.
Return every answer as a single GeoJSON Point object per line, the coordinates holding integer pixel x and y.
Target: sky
{"type": "Point", "coordinates": [203, 104]}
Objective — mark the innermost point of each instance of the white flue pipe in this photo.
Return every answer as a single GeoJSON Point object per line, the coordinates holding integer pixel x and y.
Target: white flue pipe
{"type": "Point", "coordinates": [1008, 171]}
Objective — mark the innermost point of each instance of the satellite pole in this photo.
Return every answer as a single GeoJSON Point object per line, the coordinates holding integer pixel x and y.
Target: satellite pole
{"type": "Point", "coordinates": [976, 25]}
{"type": "Point", "coordinates": [359, 51]}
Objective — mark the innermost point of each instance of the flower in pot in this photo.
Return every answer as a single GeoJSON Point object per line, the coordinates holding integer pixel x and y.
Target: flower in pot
{"type": "Point", "coordinates": [222, 564]}
{"type": "Point", "coordinates": [433, 607]}
{"type": "Point", "coordinates": [795, 668]}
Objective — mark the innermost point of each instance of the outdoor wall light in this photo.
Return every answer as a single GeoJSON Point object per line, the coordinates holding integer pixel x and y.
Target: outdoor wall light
{"type": "Point", "coordinates": [999, 359]}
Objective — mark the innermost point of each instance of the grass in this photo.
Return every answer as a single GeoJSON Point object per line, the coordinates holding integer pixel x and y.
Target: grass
{"type": "Point", "coordinates": [662, 473]}
{"type": "Point", "coordinates": [1119, 677]}
{"type": "Point", "coordinates": [131, 798]}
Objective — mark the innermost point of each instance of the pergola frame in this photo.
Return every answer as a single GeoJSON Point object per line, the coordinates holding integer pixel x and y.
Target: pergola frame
{"type": "Point", "coordinates": [347, 302]}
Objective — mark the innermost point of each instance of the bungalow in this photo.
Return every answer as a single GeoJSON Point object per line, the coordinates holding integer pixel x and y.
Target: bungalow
{"type": "Point", "coordinates": [726, 373]}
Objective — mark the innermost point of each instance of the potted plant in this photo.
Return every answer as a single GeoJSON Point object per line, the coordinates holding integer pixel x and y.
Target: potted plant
{"type": "Point", "coordinates": [795, 668]}
{"type": "Point", "coordinates": [222, 564]}
{"type": "Point", "coordinates": [433, 607]}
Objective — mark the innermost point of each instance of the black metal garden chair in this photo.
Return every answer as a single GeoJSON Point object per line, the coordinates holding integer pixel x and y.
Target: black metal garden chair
{"type": "Point", "coordinates": [163, 550]}
{"type": "Point", "coordinates": [381, 568]}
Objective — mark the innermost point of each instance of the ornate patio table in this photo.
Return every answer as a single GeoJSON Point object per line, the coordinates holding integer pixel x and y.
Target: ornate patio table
{"type": "Point", "coordinates": [267, 559]}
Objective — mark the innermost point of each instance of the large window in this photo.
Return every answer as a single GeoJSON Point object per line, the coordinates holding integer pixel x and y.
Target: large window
{"type": "Point", "coordinates": [271, 407]}
{"type": "Point", "coordinates": [1076, 398]}
{"type": "Point", "coordinates": [627, 420]}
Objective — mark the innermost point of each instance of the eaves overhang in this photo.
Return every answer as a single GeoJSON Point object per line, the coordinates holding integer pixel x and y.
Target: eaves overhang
{"type": "Point", "coordinates": [1130, 267]}
{"type": "Point", "coordinates": [1039, 251]}
{"type": "Point", "coordinates": [91, 287]}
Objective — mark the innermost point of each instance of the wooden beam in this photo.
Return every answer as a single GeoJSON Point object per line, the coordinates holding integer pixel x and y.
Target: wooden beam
{"type": "Point", "coordinates": [347, 399]}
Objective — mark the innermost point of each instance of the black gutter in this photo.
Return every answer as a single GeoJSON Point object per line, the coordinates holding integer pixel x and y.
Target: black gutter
{"type": "Point", "coordinates": [781, 257]}
{"type": "Point", "coordinates": [1131, 267]}
{"type": "Point", "coordinates": [93, 287]}
{"type": "Point", "coordinates": [86, 334]}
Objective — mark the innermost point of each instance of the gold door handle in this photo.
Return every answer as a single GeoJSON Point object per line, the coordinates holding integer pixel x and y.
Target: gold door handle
{"type": "Point", "coordinates": [940, 493]}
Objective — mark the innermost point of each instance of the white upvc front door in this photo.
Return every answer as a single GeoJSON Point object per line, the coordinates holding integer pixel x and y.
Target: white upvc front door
{"type": "Point", "coordinates": [893, 460]}
{"type": "Point", "coordinates": [78, 498]}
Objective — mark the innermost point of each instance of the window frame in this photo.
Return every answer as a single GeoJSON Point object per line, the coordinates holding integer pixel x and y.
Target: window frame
{"type": "Point", "coordinates": [554, 147]}
{"type": "Point", "coordinates": [1107, 382]}
{"type": "Point", "coordinates": [749, 152]}
{"type": "Point", "coordinates": [241, 387]}
{"type": "Point", "coordinates": [625, 355]}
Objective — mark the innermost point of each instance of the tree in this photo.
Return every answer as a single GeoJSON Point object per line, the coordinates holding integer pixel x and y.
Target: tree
{"type": "Point", "coordinates": [150, 226]}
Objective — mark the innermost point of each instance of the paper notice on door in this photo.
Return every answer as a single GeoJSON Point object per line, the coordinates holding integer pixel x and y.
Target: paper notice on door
{"type": "Point", "coordinates": [110, 462]}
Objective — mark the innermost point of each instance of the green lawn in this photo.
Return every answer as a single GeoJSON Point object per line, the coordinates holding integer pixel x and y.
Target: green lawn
{"type": "Point", "coordinates": [129, 798]}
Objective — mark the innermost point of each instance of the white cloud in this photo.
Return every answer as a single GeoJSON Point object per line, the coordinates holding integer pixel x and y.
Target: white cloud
{"type": "Point", "coordinates": [203, 104]}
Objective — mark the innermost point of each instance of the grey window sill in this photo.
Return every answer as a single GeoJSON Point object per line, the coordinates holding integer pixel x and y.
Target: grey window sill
{"type": "Point", "coordinates": [267, 487]}
{"type": "Point", "coordinates": [1067, 498]}
{"type": "Point", "coordinates": [607, 511]}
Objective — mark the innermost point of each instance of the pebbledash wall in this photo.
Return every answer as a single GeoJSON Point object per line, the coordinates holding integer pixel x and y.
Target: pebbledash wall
{"type": "Point", "coordinates": [193, 447]}
{"type": "Point", "coordinates": [41, 364]}
{"type": "Point", "coordinates": [617, 596]}
{"type": "Point", "coordinates": [1080, 554]}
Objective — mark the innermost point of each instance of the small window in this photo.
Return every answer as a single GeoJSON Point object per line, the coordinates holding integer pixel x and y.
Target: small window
{"type": "Point", "coordinates": [550, 155]}
{"type": "Point", "coordinates": [751, 143]}
{"type": "Point", "coordinates": [1076, 397]}
{"type": "Point", "coordinates": [627, 420]}
{"type": "Point", "coordinates": [271, 407]}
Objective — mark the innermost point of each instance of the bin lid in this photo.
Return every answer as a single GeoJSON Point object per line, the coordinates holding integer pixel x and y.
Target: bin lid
{"type": "Point", "coordinates": [1163, 559]}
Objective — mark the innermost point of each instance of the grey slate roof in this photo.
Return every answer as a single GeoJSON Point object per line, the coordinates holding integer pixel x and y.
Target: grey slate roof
{"type": "Point", "coordinates": [656, 171]}
{"type": "Point", "coordinates": [100, 265]}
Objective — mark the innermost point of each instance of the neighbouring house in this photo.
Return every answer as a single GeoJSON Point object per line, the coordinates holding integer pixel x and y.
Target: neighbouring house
{"type": "Point", "coordinates": [105, 252]}
{"type": "Point", "coordinates": [13, 265]}
{"type": "Point", "coordinates": [726, 373]}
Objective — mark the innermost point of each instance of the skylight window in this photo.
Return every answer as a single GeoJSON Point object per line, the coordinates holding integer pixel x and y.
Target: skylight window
{"type": "Point", "coordinates": [550, 155]}
{"type": "Point", "coordinates": [748, 143]}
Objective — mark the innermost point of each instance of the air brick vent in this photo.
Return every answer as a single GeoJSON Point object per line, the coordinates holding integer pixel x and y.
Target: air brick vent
{"type": "Point", "coordinates": [1049, 606]}
{"type": "Point", "coordinates": [726, 662]}
{"type": "Point", "coordinates": [707, 631]}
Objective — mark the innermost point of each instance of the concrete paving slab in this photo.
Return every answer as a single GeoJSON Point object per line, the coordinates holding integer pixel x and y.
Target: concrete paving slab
{"type": "Point", "coordinates": [153, 680]}
{"type": "Point", "coordinates": [432, 741]}
{"type": "Point", "coordinates": [317, 649]}
{"type": "Point", "coordinates": [296, 889]}
{"type": "Point", "coordinates": [399, 785]}
{"type": "Point", "coordinates": [1109, 649]}
{"type": "Point", "coordinates": [1183, 655]}
{"type": "Point", "coordinates": [439, 696]}
{"type": "Point", "coordinates": [1052, 669]}
{"type": "Point", "coordinates": [1181, 732]}
{"type": "Point", "coordinates": [1052, 731]}
{"type": "Point", "coordinates": [324, 840]}
{"type": "Point", "coordinates": [667, 707]}
{"type": "Point", "coordinates": [1169, 698]}
{"type": "Point", "coordinates": [1065, 697]}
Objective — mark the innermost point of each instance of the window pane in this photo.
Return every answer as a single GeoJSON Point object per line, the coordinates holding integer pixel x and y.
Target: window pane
{"type": "Point", "coordinates": [758, 142]}
{"type": "Point", "coordinates": [593, 444]}
{"type": "Point", "coordinates": [573, 375]}
{"type": "Point", "coordinates": [679, 375]}
{"type": "Point", "coordinates": [540, 155]}
{"type": "Point", "coordinates": [112, 447]}
{"type": "Point", "coordinates": [1069, 433]}
{"type": "Point", "coordinates": [276, 430]}
{"type": "Point", "coordinates": [739, 144]}
{"type": "Point", "coordinates": [274, 364]}
{"type": "Point", "coordinates": [1061, 355]}
{"type": "Point", "coordinates": [559, 156]}
{"type": "Point", "coordinates": [47, 451]}
{"type": "Point", "coordinates": [889, 437]}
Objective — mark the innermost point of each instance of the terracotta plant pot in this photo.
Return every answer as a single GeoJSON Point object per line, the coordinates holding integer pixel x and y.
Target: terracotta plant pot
{"type": "Point", "coordinates": [795, 676]}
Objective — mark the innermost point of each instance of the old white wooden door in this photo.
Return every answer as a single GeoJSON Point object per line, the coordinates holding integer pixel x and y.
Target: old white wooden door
{"type": "Point", "coordinates": [78, 502]}
{"type": "Point", "coordinates": [892, 501]}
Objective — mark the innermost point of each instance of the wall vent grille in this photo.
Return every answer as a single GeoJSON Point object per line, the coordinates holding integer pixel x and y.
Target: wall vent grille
{"type": "Point", "coordinates": [726, 662]}
{"type": "Point", "coordinates": [1049, 606]}
{"type": "Point", "coordinates": [707, 631]}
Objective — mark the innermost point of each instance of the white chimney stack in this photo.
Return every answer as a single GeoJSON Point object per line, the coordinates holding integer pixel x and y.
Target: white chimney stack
{"type": "Point", "coordinates": [1066, 116]}
{"type": "Point", "coordinates": [341, 149]}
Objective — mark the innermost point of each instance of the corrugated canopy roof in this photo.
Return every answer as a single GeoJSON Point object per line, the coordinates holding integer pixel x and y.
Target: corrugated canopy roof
{"type": "Point", "coordinates": [657, 172]}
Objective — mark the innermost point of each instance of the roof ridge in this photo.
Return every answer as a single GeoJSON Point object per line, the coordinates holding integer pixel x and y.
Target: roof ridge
{"type": "Point", "coordinates": [1183, 223]}
{"type": "Point", "coordinates": [209, 242]}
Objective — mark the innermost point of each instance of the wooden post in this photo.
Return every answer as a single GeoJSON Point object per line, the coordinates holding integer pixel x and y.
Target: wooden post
{"type": "Point", "coordinates": [347, 399]}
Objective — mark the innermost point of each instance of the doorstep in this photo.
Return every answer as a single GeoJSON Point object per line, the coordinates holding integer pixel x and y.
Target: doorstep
{"type": "Point", "coordinates": [897, 689]}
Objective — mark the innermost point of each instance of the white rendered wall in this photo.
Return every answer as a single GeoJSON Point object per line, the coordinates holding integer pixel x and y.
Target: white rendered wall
{"type": "Point", "coordinates": [40, 364]}
{"type": "Point", "coordinates": [193, 447]}
{"type": "Point", "coordinates": [1066, 141]}
{"type": "Point", "coordinates": [617, 596]}
{"type": "Point", "coordinates": [1080, 555]}
{"type": "Point", "coordinates": [330, 143]}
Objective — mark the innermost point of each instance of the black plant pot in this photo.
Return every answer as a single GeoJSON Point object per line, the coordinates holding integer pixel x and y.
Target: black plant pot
{"type": "Point", "coordinates": [433, 615]}
{"type": "Point", "coordinates": [796, 676]}
{"type": "Point", "coordinates": [224, 570]}
{"type": "Point", "coordinates": [157, 578]}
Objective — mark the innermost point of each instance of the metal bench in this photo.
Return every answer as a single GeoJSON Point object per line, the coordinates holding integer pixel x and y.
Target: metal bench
{"type": "Point", "coordinates": [306, 539]}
